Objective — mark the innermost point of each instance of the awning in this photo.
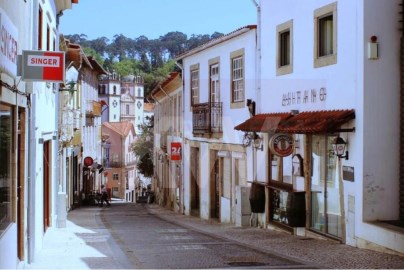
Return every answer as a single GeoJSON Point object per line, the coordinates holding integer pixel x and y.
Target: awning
{"type": "Point", "coordinates": [304, 122]}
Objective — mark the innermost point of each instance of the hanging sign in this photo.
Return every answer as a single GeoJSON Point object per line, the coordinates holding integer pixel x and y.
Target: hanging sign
{"type": "Point", "coordinates": [281, 144]}
{"type": "Point", "coordinates": [176, 151]}
{"type": "Point", "coordinates": [46, 66]}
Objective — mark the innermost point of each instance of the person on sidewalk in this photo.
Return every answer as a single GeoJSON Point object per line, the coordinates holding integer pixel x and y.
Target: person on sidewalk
{"type": "Point", "coordinates": [104, 196]}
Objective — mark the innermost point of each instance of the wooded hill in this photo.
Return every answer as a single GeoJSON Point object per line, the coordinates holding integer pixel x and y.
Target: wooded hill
{"type": "Point", "coordinates": [150, 58]}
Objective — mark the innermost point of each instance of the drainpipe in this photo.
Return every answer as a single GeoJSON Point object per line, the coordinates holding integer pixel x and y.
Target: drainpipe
{"type": "Point", "coordinates": [31, 176]}
{"type": "Point", "coordinates": [182, 208]}
{"type": "Point", "coordinates": [258, 58]}
{"type": "Point", "coordinates": [31, 152]}
{"type": "Point", "coordinates": [254, 217]}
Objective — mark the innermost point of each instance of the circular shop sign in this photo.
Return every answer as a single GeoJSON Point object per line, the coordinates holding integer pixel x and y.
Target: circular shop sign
{"type": "Point", "coordinates": [88, 161]}
{"type": "Point", "coordinates": [281, 144]}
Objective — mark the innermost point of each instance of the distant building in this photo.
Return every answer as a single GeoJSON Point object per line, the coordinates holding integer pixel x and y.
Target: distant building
{"type": "Point", "coordinates": [123, 99]}
{"type": "Point", "coordinates": [119, 159]}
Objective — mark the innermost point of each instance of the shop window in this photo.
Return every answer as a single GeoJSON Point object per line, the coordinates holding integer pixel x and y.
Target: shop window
{"type": "Point", "coordinates": [6, 137]}
{"type": "Point", "coordinates": [325, 35]}
{"type": "Point", "coordinates": [325, 193]}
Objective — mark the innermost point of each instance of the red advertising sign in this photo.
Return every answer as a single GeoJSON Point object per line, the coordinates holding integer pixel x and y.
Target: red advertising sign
{"type": "Point", "coordinates": [282, 145]}
{"type": "Point", "coordinates": [176, 151]}
{"type": "Point", "coordinates": [44, 66]}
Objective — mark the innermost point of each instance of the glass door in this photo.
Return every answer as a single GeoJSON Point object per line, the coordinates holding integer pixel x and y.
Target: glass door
{"type": "Point", "coordinates": [325, 204]}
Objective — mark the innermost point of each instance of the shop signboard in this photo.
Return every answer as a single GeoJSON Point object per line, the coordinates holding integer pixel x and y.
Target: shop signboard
{"type": "Point", "coordinates": [175, 151]}
{"type": "Point", "coordinates": [8, 45]}
{"type": "Point", "coordinates": [45, 66]}
{"type": "Point", "coordinates": [281, 144]}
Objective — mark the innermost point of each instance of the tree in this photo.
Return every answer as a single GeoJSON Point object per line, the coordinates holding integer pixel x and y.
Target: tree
{"type": "Point", "coordinates": [174, 43]}
{"type": "Point", "coordinates": [91, 52]}
{"type": "Point", "coordinates": [143, 148]}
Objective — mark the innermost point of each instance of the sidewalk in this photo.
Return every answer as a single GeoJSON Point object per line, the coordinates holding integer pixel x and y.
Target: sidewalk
{"type": "Point", "coordinates": [85, 244]}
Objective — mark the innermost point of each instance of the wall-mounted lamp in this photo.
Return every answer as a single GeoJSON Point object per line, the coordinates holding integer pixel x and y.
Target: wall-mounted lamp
{"type": "Point", "coordinates": [373, 48]}
{"type": "Point", "coordinates": [338, 146]}
{"type": "Point", "coordinates": [254, 139]}
{"type": "Point", "coordinates": [251, 106]}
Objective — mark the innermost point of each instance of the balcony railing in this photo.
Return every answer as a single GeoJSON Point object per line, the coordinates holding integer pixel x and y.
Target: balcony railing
{"type": "Point", "coordinates": [207, 118]}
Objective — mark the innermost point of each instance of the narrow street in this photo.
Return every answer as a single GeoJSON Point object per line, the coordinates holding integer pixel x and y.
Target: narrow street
{"type": "Point", "coordinates": [147, 236]}
{"type": "Point", "coordinates": [150, 241]}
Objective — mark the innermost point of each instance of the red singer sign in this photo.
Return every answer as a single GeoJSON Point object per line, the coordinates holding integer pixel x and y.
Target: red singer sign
{"type": "Point", "coordinates": [176, 151]}
{"type": "Point", "coordinates": [46, 66]}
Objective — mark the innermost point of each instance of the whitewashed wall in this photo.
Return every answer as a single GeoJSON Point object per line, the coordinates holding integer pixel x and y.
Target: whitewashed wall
{"type": "Point", "coordinates": [371, 87]}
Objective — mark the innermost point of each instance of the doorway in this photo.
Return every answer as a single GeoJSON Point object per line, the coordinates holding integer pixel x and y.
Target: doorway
{"type": "Point", "coordinates": [215, 185]}
{"type": "Point", "coordinates": [325, 203]}
{"type": "Point", "coordinates": [46, 185]}
{"type": "Point", "coordinates": [194, 187]}
{"type": "Point", "coordinates": [20, 183]}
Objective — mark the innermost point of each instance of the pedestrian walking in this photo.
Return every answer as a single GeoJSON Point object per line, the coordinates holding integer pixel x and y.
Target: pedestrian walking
{"type": "Point", "coordinates": [104, 196]}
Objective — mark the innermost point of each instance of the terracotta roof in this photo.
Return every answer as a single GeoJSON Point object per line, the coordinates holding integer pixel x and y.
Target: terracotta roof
{"type": "Point", "coordinates": [164, 83]}
{"type": "Point", "coordinates": [148, 107]}
{"type": "Point", "coordinates": [96, 66]}
{"type": "Point", "coordinates": [218, 40]}
{"type": "Point", "coordinates": [122, 128]}
{"type": "Point", "coordinates": [304, 122]}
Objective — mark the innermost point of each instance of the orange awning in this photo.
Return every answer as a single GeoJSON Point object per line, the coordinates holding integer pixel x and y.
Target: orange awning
{"type": "Point", "coordinates": [301, 123]}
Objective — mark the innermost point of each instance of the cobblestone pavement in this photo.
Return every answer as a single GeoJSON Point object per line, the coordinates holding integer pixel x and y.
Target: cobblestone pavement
{"type": "Point", "coordinates": [325, 253]}
{"type": "Point", "coordinates": [87, 244]}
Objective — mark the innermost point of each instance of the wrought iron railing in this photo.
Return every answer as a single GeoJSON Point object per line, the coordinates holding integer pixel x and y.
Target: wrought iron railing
{"type": "Point", "coordinates": [207, 118]}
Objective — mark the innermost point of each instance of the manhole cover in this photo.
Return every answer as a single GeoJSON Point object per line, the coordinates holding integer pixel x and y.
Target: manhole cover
{"type": "Point", "coordinates": [246, 264]}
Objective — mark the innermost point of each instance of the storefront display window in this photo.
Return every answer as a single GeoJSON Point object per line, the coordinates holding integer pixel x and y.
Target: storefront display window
{"type": "Point", "coordinates": [287, 203]}
{"type": "Point", "coordinates": [5, 168]}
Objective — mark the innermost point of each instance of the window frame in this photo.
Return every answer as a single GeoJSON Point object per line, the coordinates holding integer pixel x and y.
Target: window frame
{"type": "Point", "coordinates": [40, 26]}
{"type": "Point", "coordinates": [240, 103]}
{"type": "Point", "coordinates": [194, 88]}
{"type": "Point", "coordinates": [282, 68]}
{"type": "Point", "coordinates": [319, 15]}
{"type": "Point", "coordinates": [214, 65]}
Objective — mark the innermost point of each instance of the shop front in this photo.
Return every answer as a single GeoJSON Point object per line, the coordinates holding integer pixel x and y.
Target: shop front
{"type": "Point", "coordinates": [303, 181]}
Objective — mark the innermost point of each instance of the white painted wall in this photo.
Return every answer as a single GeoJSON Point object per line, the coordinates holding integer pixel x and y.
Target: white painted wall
{"type": "Point", "coordinates": [371, 87]}
{"type": "Point", "coordinates": [231, 117]}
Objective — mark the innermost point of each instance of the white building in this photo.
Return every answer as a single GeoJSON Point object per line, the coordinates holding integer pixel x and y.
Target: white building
{"type": "Point", "coordinates": [219, 78]}
{"type": "Point", "coordinates": [329, 69]}
{"type": "Point", "coordinates": [168, 130]}
{"type": "Point", "coordinates": [29, 176]}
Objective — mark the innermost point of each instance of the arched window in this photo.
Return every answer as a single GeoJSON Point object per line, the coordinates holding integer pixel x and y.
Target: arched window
{"type": "Point", "coordinates": [114, 89]}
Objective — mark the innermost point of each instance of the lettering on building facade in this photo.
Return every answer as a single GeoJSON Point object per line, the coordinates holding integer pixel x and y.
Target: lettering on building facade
{"type": "Point", "coordinates": [304, 96]}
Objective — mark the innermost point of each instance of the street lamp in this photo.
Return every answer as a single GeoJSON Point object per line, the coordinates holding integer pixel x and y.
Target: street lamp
{"type": "Point", "coordinates": [338, 146]}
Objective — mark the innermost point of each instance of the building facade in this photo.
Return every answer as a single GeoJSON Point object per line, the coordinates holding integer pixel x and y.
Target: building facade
{"type": "Point", "coordinates": [219, 78]}
{"type": "Point", "coordinates": [323, 82]}
{"type": "Point", "coordinates": [168, 129]}
{"type": "Point", "coordinates": [29, 179]}
{"type": "Point", "coordinates": [119, 159]}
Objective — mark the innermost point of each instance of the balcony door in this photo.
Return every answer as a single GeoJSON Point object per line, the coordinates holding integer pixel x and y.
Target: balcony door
{"type": "Point", "coordinates": [214, 83]}
{"type": "Point", "coordinates": [214, 95]}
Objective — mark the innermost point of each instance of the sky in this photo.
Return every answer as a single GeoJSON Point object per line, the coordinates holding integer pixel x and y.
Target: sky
{"type": "Point", "coordinates": [155, 18]}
